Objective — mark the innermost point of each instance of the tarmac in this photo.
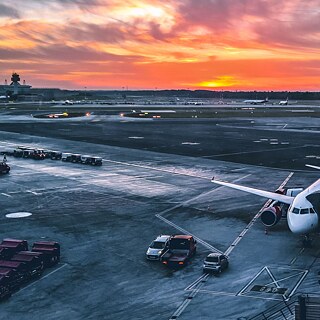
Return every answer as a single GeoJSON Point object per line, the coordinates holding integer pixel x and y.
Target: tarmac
{"type": "Point", "coordinates": [156, 179]}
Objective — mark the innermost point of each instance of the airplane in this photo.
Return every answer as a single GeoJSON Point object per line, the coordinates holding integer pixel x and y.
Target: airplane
{"type": "Point", "coordinates": [255, 101]}
{"type": "Point", "coordinates": [68, 102]}
{"type": "Point", "coordinates": [298, 205]}
{"type": "Point", "coordinates": [284, 103]}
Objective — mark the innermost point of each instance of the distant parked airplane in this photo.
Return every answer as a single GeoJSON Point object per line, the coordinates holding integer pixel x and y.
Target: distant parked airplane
{"type": "Point", "coordinates": [284, 103]}
{"type": "Point", "coordinates": [255, 101]}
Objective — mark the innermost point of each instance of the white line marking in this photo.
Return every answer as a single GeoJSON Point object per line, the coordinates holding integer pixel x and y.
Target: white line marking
{"type": "Point", "coordinates": [251, 152]}
{"type": "Point", "coordinates": [194, 283]}
{"type": "Point", "coordinates": [297, 285]}
{"type": "Point", "coordinates": [33, 192]}
{"type": "Point", "coordinates": [252, 280]}
{"type": "Point", "coordinates": [156, 169]}
{"type": "Point", "coordinates": [46, 276]}
{"type": "Point", "coordinates": [205, 244]}
{"type": "Point", "coordinates": [295, 258]}
{"type": "Point", "coordinates": [7, 195]}
{"type": "Point", "coordinates": [247, 228]}
{"type": "Point", "coordinates": [272, 278]}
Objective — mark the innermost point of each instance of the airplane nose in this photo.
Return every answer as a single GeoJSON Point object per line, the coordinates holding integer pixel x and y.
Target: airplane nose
{"type": "Point", "coordinates": [302, 223]}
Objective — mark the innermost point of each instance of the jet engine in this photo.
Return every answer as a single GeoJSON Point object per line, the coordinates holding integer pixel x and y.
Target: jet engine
{"type": "Point", "coordinates": [270, 216]}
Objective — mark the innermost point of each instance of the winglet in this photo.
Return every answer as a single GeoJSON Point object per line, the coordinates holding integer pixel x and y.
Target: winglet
{"type": "Point", "coordinates": [212, 178]}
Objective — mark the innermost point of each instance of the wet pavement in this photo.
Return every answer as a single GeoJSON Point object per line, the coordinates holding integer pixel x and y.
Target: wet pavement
{"type": "Point", "coordinates": [155, 179]}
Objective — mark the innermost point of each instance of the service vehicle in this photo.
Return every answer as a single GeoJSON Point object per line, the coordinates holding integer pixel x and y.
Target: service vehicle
{"type": "Point", "coordinates": [66, 157]}
{"type": "Point", "coordinates": [181, 248]}
{"type": "Point", "coordinates": [27, 153]}
{"type": "Point", "coordinates": [55, 155]}
{"type": "Point", "coordinates": [76, 158]}
{"type": "Point", "coordinates": [96, 161]}
{"type": "Point", "coordinates": [86, 159]}
{"type": "Point", "coordinates": [157, 247]}
{"type": "Point", "coordinates": [4, 168]}
{"type": "Point", "coordinates": [17, 153]}
{"type": "Point", "coordinates": [215, 263]}
{"type": "Point", "coordinates": [38, 155]}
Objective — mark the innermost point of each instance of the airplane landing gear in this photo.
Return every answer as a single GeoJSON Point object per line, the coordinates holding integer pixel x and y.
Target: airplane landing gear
{"type": "Point", "coordinates": [307, 241]}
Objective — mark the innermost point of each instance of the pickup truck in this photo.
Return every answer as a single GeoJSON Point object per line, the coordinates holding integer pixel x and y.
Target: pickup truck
{"type": "Point", "coordinates": [180, 250]}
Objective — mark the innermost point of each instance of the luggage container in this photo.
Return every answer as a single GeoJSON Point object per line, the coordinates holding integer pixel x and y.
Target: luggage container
{"type": "Point", "coordinates": [5, 290]}
{"type": "Point", "coordinates": [50, 250]}
{"type": "Point", "coordinates": [22, 245]}
{"type": "Point", "coordinates": [34, 265]}
{"type": "Point", "coordinates": [18, 266]}
{"type": "Point", "coordinates": [15, 280]}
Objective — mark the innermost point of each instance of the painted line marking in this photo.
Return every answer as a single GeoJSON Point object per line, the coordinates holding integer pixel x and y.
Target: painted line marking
{"type": "Point", "coordinates": [298, 284]}
{"type": "Point", "coordinates": [194, 283]}
{"type": "Point", "coordinates": [297, 256]}
{"type": "Point", "coordinates": [193, 293]}
{"type": "Point", "coordinates": [205, 244]}
{"type": "Point", "coordinates": [156, 169]}
{"type": "Point", "coordinates": [5, 194]}
{"type": "Point", "coordinates": [46, 276]}
{"type": "Point", "coordinates": [272, 278]}
{"type": "Point", "coordinates": [33, 192]}
{"type": "Point", "coordinates": [250, 282]}
{"type": "Point", "coordinates": [252, 152]}
{"type": "Point", "coordinates": [247, 228]}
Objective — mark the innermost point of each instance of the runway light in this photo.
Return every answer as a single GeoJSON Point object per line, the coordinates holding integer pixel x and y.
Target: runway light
{"type": "Point", "coordinates": [87, 114]}
{"type": "Point", "coordinates": [121, 114]}
{"type": "Point", "coordinates": [181, 262]}
{"type": "Point", "coordinates": [165, 262]}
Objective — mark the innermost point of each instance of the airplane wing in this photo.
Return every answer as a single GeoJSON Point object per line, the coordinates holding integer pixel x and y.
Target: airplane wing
{"type": "Point", "coordinates": [311, 166]}
{"type": "Point", "coordinates": [258, 192]}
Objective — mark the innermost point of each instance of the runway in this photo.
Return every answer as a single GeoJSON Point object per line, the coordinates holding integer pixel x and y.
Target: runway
{"type": "Point", "coordinates": [105, 217]}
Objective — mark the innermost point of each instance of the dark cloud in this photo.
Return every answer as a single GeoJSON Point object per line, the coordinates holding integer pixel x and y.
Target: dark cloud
{"type": "Point", "coordinates": [6, 11]}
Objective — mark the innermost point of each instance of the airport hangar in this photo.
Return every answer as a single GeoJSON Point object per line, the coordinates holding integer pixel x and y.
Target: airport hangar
{"type": "Point", "coordinates": [155, 179]}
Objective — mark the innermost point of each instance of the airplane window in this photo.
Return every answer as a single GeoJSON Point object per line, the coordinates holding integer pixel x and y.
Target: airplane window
{"type": "Point", "coordinates": [296, 210]}
{"type": "Point", "coordinates": [304, 211]}
{"type": "Point", "coordinates": [312, 210]}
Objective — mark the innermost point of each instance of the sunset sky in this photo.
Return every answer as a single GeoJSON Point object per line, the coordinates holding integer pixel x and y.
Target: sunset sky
{"type": "Point", "coordinates": [163, 44]}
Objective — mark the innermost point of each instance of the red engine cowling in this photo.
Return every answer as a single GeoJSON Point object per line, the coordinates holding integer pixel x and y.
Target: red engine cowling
{"type": "Point", "coordinates": [270, 216]}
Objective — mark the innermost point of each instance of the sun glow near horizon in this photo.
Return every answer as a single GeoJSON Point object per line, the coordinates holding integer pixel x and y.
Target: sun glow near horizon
{"type": "Point", "coordinates": [147, 44]}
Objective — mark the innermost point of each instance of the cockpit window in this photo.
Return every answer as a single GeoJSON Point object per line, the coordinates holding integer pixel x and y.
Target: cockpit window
{"type": "Point", "coordinates": [296, 210]}
{"type": "Point", "coordinates": [304, 211]}
{"type": "Point", "coordinates": [312, 210]}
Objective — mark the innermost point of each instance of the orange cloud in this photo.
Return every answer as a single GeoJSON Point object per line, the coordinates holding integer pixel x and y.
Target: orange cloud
{"type": "Point", "coordinates": [173, 44]}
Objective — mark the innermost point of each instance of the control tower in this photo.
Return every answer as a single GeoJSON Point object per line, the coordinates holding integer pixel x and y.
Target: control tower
{"type": "Point", "coordinates": [15, 83]}
{"type": "Point", "coordinates": [14, 88]}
